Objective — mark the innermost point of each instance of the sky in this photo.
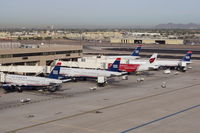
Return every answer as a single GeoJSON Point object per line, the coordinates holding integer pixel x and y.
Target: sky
{"type": "Point", "coordinates": [97, 13]}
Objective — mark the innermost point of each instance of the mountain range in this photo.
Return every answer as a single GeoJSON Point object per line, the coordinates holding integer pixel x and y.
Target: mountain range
{"type": "Point", "coordinates": [178, 26]}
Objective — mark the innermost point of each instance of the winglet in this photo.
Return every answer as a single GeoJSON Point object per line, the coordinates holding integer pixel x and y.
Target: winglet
{"type": "Point", "coordinates": [115, 66]}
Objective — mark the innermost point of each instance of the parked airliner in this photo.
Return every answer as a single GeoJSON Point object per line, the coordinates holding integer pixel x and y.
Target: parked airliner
{"type": "Point", "coordinates": [12, 82]}
{"type": "Point", "coordinates": [176, 64]}
{"type": "Point", "coordinates": [144, 65]}
{"type": "Point", "coordinates": [91, 73]}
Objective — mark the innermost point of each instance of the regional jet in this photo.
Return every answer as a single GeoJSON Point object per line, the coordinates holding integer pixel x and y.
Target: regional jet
{"type": "Point", "coordinates": [12, 82]}
{"type": "Point", "coordinates": [91, 73]}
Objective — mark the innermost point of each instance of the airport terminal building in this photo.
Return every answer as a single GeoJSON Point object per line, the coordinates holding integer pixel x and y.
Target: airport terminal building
{"type": "Point", "coordinates": [146, 41]}
{"type": "Point", "coordinates": [40, 55]}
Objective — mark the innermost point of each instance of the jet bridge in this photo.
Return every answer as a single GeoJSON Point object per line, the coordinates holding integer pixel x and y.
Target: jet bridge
{"type": "Point", "coordinates": [94, 62]}
{"type": "Point", "coordinates": [25, 69]}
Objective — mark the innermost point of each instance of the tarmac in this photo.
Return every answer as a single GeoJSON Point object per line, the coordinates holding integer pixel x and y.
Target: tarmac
{"type": "Point", "coordinates": [122, 106]}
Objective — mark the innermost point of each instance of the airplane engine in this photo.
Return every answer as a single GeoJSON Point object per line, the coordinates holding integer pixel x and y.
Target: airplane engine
{"type": "Point", "coordinates": [54, 88]}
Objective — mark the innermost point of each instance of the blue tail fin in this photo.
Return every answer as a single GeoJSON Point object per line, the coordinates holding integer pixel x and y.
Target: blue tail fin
{"type": "Point", "coordinates": [55, 73]}
{"type": "Point", "coordinates": [136, 51]}
{"type": "Point", "coordinates": [188, 56]}
{"type": "Point", "coordinates": [115, 66]}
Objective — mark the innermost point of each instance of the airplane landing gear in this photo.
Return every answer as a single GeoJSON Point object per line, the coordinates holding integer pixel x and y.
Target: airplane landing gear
{"type": "Point", "coordinates": [19, 89]}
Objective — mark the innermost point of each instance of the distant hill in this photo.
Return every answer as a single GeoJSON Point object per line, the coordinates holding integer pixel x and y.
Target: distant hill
{"type": "Point", "coordinates": [178, 26]}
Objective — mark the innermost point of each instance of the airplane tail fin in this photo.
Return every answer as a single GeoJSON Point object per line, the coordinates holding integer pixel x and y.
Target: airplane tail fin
{"type": "Point", "coordinates": [55, 72]}
{"type": "Point", "coordinates": [188, 56]}
{"type": "Point", "coordinates": [115, 66]}
{"type": "Point", "coordinates": [136, 51]}
{"type": "Point", "coordinates": [153, 58]}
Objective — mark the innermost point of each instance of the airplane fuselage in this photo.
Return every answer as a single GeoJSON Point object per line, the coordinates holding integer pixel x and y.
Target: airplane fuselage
{"type": "Point", "coordinates": [77, 72]}
{"type": "Point", "coordinates": [123, 57]}
{"type": "Point", "coordinates": [29, 80]}
{"type": "Point", "coordinates": [19, 82]}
